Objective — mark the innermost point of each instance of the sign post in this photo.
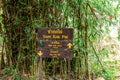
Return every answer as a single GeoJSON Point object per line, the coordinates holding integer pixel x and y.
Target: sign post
{"type": "Point", "coordinates": [40, 77]}
{"type": "Point", "coordinates": [55, 43]}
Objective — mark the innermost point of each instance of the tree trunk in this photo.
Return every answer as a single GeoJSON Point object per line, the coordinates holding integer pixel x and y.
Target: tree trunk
{"type": "Point", "coordinates": [20, 38]}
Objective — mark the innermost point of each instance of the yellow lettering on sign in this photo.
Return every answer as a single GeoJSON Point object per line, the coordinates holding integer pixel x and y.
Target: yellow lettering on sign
{"type": "Point", "coordinates": [52, 51]}
{"type": "Point", "coordinates": [47, 36]}
{"type": "Point", "coordinates": [55, 42]}
{"type": "Point", "coordinates": [57, 31]}
{"type": "Point", "coordinates": [64, 36]}
{"type": "Point", "coordinates": [56, 36]}
{"type": "Point", "coordinates": [50, 45]}
{"type": "Point", "coordinates": [59, 45]}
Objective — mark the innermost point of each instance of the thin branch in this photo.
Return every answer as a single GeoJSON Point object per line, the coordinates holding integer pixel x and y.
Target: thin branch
{"type": "Point", "coordinates": [96, 54]}
{"type": "Point", "coordinates": [92, 10]}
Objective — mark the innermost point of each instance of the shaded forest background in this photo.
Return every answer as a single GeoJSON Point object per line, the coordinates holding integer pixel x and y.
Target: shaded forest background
{"type": "Point", "coordinates": [91, 21]}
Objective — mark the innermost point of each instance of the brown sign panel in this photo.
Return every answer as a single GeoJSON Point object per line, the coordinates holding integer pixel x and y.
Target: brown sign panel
{"type": "Point", "coordinates": [55, 42]}
{"type": "Point", "coordinates": [55, 33]}
{"type": "Point", "coordinates": [55, 53]}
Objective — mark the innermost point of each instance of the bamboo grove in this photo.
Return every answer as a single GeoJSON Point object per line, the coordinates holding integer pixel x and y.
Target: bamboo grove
{"type": "Point", "coordinates": [22, 18]}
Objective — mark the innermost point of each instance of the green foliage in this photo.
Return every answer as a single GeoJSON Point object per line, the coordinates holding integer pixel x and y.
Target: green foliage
{"type": "Point", "coordinates": [51, 78]}
{"type": "Point", "coordinates": [33, 78]}
{"type": "Point", "coordinates": [15, 75]}
{"type": "Point", "coordinates": [110, 71]}
{"type": "Point", "coordinates": [106, 73]}
{"type": "Point", "coordinates": [119, 34]}
{"type": "Point", "coordinates": [18, 77]}
{"type": "Point", "coordinates": [89, 19]}
{"type": "Point", "coordinates": [6, 70]}
{"type": "Point", "coordinates": [41, 43]}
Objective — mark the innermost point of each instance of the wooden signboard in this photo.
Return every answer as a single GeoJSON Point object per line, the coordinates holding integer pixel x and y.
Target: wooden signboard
{"type": "Point", "coordinates": [55, 42]}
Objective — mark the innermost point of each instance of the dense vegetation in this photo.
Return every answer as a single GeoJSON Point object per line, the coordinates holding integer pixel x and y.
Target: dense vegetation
{"type": "Point", "coordinates": [90, 20]}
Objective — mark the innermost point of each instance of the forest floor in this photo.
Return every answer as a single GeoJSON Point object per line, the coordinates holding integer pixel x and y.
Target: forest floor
{"type": "Point", "coordinates": [112, 61]}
